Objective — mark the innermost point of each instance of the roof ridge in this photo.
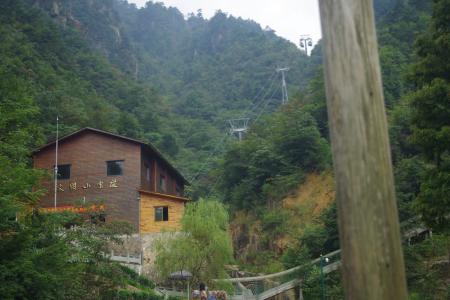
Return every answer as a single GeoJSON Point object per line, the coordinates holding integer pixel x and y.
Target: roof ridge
{"type": "Point", "coordinates": [148, 144]}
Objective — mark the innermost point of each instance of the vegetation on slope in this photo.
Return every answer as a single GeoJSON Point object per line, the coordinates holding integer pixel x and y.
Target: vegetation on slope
{"type": "Point", "coordinates": [203, 248]}
{"type": "Point", "coordinates": [151, 74]}
{"type": "Point", "coordinates": [204, 71]}
{"type": "Point", "coordinates": [418, 122]}
{"type": "Point", "coordinates": [64, 78]}
{"type": "Point", "coordinates": [40, 257]}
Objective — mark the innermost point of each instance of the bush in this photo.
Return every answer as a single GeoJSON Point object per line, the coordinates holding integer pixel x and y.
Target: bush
{"type": "Point", "coordinates": [132, 295]}
{"type": "Point", "coordinates": [135, 277]}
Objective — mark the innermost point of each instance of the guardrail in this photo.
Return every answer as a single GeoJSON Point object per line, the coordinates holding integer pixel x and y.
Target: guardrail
{"type": "Point", "coordinates": [128, 259]}
{"type": "Point", "coordinates": [279, 274]}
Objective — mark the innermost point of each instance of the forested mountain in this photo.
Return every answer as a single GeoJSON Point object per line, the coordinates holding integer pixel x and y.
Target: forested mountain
{"type": "Point", "coordinates": [302, 124]}
{"type": "Point", "coordinates": [257, 175]}
{"type": "Point", "coordinates": [61, 74]}
{"type": "Point", "coordinates": [193, 74]}
{"type": "Point", "coordinates": [224, 60]}
{"type": "Point", "coordinates": [154, 74]}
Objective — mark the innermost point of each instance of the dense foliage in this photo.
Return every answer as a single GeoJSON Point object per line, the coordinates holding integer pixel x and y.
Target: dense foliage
{"type": "Point", "coordinates": [430, 115]}
{"type": "Point", "coordinates": [152, 74]}
{"type": "Point", "coordinates": [203, 248]}
{"type": "Point", "coordinates": [147, 73]}
{"type": "Point", "coordinates": [39, 257]}
{"type": "Point", "coordinates": [417, 106]}
{"type": "Point", "coordinates": [273, 158]}
{"type": "Point", "coordinates": [67, 79]}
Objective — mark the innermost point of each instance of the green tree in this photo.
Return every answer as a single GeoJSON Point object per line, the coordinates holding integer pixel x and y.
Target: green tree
{"type": "Point", "coordinates": [431, 117]}
{"type": "Point", "coordinates": [426, 270]}
{"type": "Point", "coordinates": [39, 257]}
{"type": "Point", "coordinates": [18, 133]}
{"type": "Point", "coordinates": [202, 247]}
{"type": "Point", "coordinates": [273, 158]}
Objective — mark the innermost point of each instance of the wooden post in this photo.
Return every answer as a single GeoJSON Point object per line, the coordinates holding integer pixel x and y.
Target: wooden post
{"type": "Point", "coordinates": [369, 231]}
{"type": "Point", "coordinates": [300, 291]}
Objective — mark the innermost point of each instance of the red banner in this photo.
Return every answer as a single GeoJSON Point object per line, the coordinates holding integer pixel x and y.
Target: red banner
{"type": "Point", "coordinates": [77, 209]}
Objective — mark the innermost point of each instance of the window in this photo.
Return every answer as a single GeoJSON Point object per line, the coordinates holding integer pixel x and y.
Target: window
{"type": "Point", "coordinates": [162, 183]}
{"type": "Point", "coordinates": [98, 218]}
{"type": "Point", "coordinates": [162, 213]}
{"type": "Point", "coordinates": [114, 167]}
{"type": "Point", "coordinates": [63, 171]}
{"type": "Point", "coordinates": [147, 172]}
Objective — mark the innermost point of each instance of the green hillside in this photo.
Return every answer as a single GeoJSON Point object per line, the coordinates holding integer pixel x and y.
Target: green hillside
{"type": "Point", "coordinates": [258, 175]}
{"type": "Point", "coordinates": [194, 73]}
{"type": "Point", "coordinates": [153, 74]}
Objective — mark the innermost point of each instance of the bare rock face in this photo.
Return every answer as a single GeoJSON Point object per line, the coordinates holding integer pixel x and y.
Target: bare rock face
{"type": "Point", "coordinates": [55, 9]}
{"type": "Point", "coordinates": [137, 252]}
{"type": "Point", "coordinates": [131, 245]}
{"type": "Point", "coordinates": [249, 234]}
{"type": "Point", "coordinates": [148, 252]}
{"type": "Point", "coordinates": [99, 23]}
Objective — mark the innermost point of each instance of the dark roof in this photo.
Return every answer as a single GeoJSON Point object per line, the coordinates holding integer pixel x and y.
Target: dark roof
{"type": "Point", "coordinates": [147, 145]}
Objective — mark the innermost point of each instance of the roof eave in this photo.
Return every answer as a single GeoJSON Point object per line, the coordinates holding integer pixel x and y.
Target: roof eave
{"type": "Point", "coordinates": [152, 148]}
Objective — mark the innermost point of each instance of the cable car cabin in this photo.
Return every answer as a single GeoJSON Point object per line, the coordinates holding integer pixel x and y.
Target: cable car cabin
{"type": "Point", "coordinates": [128, 179]}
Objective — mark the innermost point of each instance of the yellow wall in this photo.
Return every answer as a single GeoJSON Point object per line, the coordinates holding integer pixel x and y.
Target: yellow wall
{"type": "Point", "coordinates": [149, 201]}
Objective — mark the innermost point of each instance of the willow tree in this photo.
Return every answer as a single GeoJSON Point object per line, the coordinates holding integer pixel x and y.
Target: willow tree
{"type": "Point", "coordinates": [202, 248]}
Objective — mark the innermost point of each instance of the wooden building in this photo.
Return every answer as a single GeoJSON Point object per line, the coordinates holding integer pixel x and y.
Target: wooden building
{"type": "Point", "coordinates": [131, 179]}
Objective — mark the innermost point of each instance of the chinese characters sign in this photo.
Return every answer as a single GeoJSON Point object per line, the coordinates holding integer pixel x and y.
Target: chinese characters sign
{"type": "Point", "coordinates": [74, 208]}
{"type": "Point", "coordinates": [73, 186]}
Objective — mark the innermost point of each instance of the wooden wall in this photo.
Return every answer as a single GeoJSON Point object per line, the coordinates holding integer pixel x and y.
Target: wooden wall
{"type": "Point", "coordinates": [151, 200]}
{"type": "Point", "coordinates": [87, 153]}
{"type": "Point", "coordinates": [158, 168]}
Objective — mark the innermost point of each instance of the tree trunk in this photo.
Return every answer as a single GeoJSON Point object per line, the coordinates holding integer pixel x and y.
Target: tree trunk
{"type": "Point", "coordinates": [373, 266]}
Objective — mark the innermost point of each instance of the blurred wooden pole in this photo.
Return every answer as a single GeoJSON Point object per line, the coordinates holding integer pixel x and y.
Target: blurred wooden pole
{"type": "Point", "coordinates": [373, 266]}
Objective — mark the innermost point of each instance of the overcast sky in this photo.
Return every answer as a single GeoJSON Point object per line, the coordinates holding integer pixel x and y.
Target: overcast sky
{"type": "Point", "coordinates": [289, 18]}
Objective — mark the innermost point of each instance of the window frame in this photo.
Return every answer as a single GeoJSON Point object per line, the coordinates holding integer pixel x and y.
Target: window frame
{"type": "Point", "coordinates": [162, 183]}
{"type": "Point", "coordinates": [148, 173]}
{"type": "Point", "coordinates": [178, 190]}
{"type": "Point", "coordinates": [165, 214]}
{"type": "Point", "coordinates": [59, 168]}
{"type": "Point", "coordinates": [122, 161]}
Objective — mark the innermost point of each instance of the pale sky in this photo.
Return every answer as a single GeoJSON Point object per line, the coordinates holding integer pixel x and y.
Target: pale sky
{"type": "Point", "coordinates": [289, 18]}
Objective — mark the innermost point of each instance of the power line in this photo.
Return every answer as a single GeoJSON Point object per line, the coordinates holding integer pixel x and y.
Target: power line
{"type": "Point", "coordinates": [250, 108]}
{"type": "Point", "coordinates": [214, 186]}
{"type": "Point", "coordinates": [264, 108]}
{"type": "Point", "coordinates": [265, 95]}
{"type": "Point", "coordinates": [265, 103]}
{"type": "Point", "coordinates": [284, 92]}
{"type": "Point", "coordinates": [240, 125]}
{"type": "Point", "coordinates": [193, 178]}
{"type": "Point", "coordinates": [253, 103]}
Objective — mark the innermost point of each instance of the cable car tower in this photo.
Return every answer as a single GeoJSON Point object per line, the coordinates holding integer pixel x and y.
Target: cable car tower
{"type": "Point", "coordinates": [305, 42]}
{"type": "Point", "coordinates": [238, 127]}
{"type": "Point", "coordinates": [284, 93]}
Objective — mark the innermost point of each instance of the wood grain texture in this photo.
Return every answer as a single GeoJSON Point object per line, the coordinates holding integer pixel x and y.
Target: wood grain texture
{"type": "Point", "coordinates": [87, 153]}
{"type": "Point", "coordinates": [148, 203]}
{"type": "Point", "coordinates": [373, 266]}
